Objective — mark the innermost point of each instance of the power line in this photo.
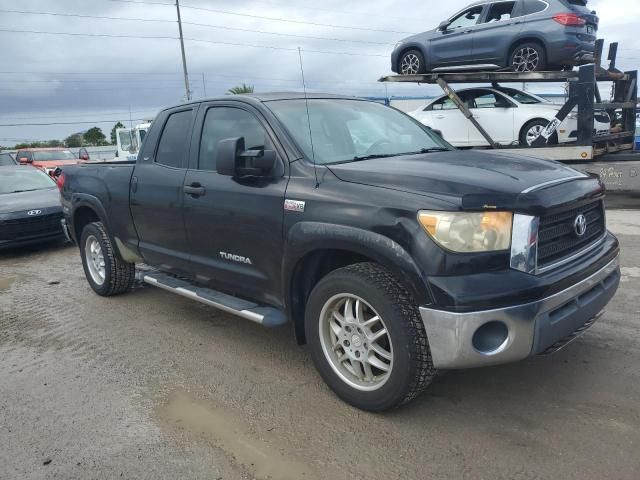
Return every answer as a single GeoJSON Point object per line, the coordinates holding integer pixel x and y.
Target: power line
{"type": "Point", "coordinates": [58, 123]}
{"type": "Point", "coordinates": [263, 17]}
{"type": "Point", "coordinates": [207, 25]}
{"type": "Point", "coordinates": [11, 117]}
{"type": "Point", "coordinates": [333, 39]}
{"type": "Point", "coordinates": [78, 15]}
{"type": "Point", "coordinates": [290, 20]}
{"type": "Point", "coordinates": [164, 37]}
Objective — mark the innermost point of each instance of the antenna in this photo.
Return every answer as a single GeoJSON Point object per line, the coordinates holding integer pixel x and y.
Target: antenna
{"type": "Point", "coordinates": [306, 104]}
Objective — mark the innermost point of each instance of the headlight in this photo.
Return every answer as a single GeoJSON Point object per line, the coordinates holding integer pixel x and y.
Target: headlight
{"type": "Point", "coordinates": [468, 232]}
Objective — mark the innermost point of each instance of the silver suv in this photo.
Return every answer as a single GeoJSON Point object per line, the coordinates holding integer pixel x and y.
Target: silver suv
{"type": "Point", "coordinates": [521, 35]}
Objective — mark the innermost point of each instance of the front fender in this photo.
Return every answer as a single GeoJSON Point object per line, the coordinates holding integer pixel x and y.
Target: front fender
{"type": "Point", "coordinates": [306, 237]}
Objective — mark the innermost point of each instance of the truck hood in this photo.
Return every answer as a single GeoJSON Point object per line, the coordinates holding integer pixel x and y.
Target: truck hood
{"type": "Point", "coordinates": [480, 178]}
{"type": "Point", "coordinates": [46, 200]}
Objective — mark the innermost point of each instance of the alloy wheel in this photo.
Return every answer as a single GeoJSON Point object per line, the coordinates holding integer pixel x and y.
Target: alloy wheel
{"type": "Point", "coordinates": [410, 64]}
{"type": "Point", "coordinates": [526, 59]}
{"type": "Point", "coordinates": [95, 259]}
{"type": "Point", "coordinates": [533, 133]}
{"type": "Point", "coordinates": [355, 341]}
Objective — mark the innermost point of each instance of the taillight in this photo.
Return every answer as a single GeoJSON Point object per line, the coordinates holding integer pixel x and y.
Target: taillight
{"type": "Point", "coordinates": [60, 181]}
{"type": "Point", "coordinates": [570, 19]}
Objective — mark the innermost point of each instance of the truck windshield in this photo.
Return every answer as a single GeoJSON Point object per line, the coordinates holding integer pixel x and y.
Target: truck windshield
{"type": "Point", "coordinates": [24, 180]}
{"type": "Point", "coordinates": [350, 130]}
{"type": "Point", "coordinates": [52, 155]}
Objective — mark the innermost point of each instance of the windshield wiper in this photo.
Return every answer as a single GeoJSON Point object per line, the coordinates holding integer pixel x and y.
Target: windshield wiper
{"type": "Point", "coordinates": [374, 155]}
{"type": "Point", "coordinates": [29, 190]}
{"type": "Point", "coordinates": [430, 150]}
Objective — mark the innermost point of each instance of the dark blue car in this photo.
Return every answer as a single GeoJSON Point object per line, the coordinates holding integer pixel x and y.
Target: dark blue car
{"type": "Point", "coordinates": [520, 35]}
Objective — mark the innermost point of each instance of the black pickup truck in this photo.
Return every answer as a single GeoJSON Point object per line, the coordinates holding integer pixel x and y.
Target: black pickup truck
{"type": "Point", "coordinates": [390, 253]}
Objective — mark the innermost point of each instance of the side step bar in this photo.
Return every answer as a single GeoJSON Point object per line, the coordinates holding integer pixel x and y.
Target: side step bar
{"type": "Point", "coordinates": [266, 316]}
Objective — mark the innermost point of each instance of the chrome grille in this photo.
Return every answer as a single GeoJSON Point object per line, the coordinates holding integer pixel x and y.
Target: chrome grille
{"type": "Point", "coordinates": [557, 238]}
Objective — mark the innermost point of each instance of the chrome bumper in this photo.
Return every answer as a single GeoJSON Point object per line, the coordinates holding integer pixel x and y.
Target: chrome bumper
{"type": "Point", "coordinates": [531, 328]}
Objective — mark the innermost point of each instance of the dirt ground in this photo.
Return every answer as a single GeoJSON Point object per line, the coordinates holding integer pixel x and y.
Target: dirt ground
{"type": "Point", "coordinates": [151, 385]}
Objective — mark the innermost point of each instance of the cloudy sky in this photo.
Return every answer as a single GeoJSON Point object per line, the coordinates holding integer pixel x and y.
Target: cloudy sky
{"type": "Point", "coordinates": [88, 71]}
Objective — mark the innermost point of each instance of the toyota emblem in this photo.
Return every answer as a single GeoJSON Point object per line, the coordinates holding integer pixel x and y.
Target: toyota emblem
{"type": "Point", "coordinates": [32, 213]}
{"type": "Point", "coordinates": [580, 225]}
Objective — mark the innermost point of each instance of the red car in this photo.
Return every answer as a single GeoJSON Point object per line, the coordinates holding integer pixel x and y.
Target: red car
{"type": "Point", "coordinates": [48, 159]}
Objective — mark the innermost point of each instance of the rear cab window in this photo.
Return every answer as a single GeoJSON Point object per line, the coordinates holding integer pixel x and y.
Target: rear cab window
{"type": "Point", "coordinates": [174, 141]}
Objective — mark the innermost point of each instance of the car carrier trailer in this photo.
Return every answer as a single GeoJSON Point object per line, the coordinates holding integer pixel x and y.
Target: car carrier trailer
{"type": "Point", "coordinates": [611, 155]}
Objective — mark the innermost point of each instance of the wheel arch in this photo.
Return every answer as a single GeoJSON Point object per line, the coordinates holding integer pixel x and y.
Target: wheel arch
{"type": "Point", "coordinates": [526, 39]}
{"type": "Point", "coordinates": [87, 209]}
{"type": "Point", "coordinates": [412, 46]}
{"type": "Point", "coordinates": [316, 249]}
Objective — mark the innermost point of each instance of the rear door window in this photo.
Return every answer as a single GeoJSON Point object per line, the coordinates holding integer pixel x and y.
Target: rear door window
{"type": "Point", "coordinates": [500, 11]}
{"type": "Point", "coordinates": [172, 149]}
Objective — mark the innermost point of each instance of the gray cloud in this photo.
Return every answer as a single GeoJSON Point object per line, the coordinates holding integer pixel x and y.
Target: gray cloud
{"type": "Point", "coordinates": [73, 78]}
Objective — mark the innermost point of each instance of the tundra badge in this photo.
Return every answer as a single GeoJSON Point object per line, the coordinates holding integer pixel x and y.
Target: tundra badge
{"type": "Point", "coordinates": [235, 258]}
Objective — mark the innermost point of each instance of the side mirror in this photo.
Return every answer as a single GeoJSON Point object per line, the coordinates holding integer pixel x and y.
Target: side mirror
{"type": "Point", "coordinates": [24, 160]}
{"type": "Point", "coordinates": [83, 154]}
{"type": "Point", "coordinates": [443, 25]}
{"type": "Point", "coordinates": [234, 161]}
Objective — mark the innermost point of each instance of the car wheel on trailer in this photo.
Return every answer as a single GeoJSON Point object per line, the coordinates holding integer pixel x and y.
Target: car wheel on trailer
{"type": "Point", "coordinates": [411, 63]}
{"type": "Point", "coordinates": [532, 130]}
{"type": "Point", "coordinates": [528, 57]}
{"type": "Point", "coordinates": [367, 339]}
{"type": "Point", "coordinates": [106, 272]}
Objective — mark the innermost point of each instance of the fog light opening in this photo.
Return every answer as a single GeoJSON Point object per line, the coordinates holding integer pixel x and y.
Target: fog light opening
{"type": "Point", "coordinates": [491, 338]}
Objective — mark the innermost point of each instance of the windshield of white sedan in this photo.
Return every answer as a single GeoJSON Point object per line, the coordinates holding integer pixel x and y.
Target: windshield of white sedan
{"type": "Point", "coordinates": [24, 180]}
{"type": "Point", "coordinates": [350, 130]}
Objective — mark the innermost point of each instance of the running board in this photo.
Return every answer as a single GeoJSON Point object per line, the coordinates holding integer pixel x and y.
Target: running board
{"type": "Point", "coordinates": [265, 316]}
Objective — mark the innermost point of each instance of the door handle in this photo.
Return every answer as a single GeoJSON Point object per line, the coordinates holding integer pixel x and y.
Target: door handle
{"type": "Point", "coordinates": [439, 116]}
{"type": "Point", "coordinates": [194, 189]}
{"type": "Point", "coordinates": [134, 184]}
{"type": "Point", "coordinates": [467, 31]}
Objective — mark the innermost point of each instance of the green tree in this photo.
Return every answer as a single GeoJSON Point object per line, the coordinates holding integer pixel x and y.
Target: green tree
{"type": "Point", "coordinates": [74, 141]}
{"type": "Point", "coordinates": [113, 132]}
{"type": "Point", "coordinates": [241, 89]}
{"type": "Point", "coordinates": [94, 136]}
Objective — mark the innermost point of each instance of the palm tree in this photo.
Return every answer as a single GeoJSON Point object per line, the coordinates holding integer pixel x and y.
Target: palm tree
{"type": "Point", "coordinates": [240, 90]}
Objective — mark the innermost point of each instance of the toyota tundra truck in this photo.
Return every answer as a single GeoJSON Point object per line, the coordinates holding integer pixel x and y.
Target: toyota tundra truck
{"type": "Point", "coordinates": [391, 254]}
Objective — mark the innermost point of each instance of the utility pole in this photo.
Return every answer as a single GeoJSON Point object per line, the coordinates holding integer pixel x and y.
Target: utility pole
{"type": "Point", "coordinates": [184, 58]}
{"type": "Point", "coordinates": [204, 86]}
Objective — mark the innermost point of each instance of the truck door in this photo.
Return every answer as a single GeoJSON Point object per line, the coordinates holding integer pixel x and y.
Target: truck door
{"type": "Point", "coordinates": [234, 225]}
{"type": "Point", "coordinates": [156, 192]}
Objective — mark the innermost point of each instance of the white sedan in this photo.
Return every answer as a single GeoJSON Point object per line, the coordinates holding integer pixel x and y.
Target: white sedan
{"type": "Point", "coordinates": [509, 115]}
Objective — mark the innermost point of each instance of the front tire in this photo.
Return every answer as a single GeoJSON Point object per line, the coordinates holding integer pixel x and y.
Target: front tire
{"type": "Point", "coordinates": [411, 63]}
{"type": "Point", "coordinates": [106, 272]}
{"type": "Point", "coordinates": [531, 131]}
{"type": "Point", "coordinates": [528, 57]}
{"type": "Point", "coordinates": [367, 339]}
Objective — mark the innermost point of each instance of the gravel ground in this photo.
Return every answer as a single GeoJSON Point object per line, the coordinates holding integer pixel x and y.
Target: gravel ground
{"type": "Point", "coordinates": [151, 385]}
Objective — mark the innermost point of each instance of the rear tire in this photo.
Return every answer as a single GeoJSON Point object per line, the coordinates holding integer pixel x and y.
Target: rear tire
{"type": "Point", "coordinates": [528, 57]}
{"type": "Point", "coordinates": [411, 63]}
{"type": "Point", "coordinates": [527, 134]}
{"type": "Point", "coordinates": [106, 272]}
{"type": "Point", "coordinates": [361, 315]}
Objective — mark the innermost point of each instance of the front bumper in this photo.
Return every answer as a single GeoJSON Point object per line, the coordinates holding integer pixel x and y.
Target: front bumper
{"type": "Point", "coordinates": [491, 337]}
